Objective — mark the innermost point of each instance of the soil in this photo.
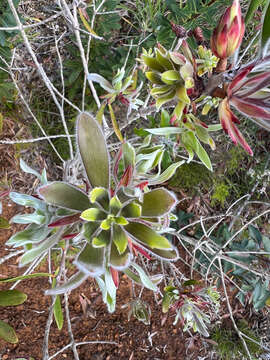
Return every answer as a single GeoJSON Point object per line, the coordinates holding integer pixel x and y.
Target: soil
{"type": "Point", "coordinates": [130, 339]}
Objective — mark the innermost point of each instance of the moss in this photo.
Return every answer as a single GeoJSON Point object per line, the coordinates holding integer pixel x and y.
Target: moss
{"type": "Point", "coordinates": [220, 194]}
{"type": "Point", "coordinates": [229, 345]}
{"type": "Point", "coordinates": [191, 177]}
{"type": "Point", "coordinates": [236, 156]}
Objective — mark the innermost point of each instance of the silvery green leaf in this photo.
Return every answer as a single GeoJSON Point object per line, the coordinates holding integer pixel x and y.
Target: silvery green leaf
{"type": "Point", "coordinates": [101, 81]}
{"type": "Point", "coordinates": [166, 131]}
{"type": "Point", "coordinates": [144, 278]}
{"type": "Point", "coordinates": [28, 169]}
{"type": "Point", "coordinates": [27, 200]}
{"type": "Point", "coordinates": [36, 251]}
{"type": "Point", "coordinates": [64, 195]}
{"type": "Point", "coordinates": [32, 234]}
{"type": "Point", "coordinates": [91, 260]}
{"type": "Point", "coordinates": [73, 282]}
{"type": "Point", "coordinates": [96, 162]}
{"type": "Point", "coordinates": [158, 202]}
{"type": "Point", "coordinates": [28, 218]}
{"type": "Point", "coordinates": [166, 175]}
{"type": "Point", "coordinates": [44, 179]}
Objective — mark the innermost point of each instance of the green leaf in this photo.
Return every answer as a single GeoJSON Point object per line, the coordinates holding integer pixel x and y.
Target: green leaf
{"type": "Point", "coordinates": [89, 229]}
{"type": "Point", "coordinates": [100, 112]}
{"type": "Point", "coordinates": [4, 224]}
{"type": "Point", "coordinates": [7, 333]}
{"type": "Point", "coordinates": [202, 133]}
{"type": "Point", "coordinates": [28, 169]}
{"type": "Point", "coordinates": [28, 218]}
{"type": "Point", "coordinates": [170, 77]}
{"type": "Point", "coordinates": [101, 81]}
{"type": "Point", "coordinates": [120, 220]}
{"type": "Point", "coordinates": [1, 123]}
{"type": "Point", "coordinates": [24, 277]}
{"type": "Point", "coordinates": [153, 77]}
{"type": "Point", "coordinates": [33, 234]}
{"type": "Point", "coordinates": [165, 98]}
{"type": "Point", "coordinates": [120, 239]}
{"type": "Point", "coordinates": [165, 118]}
{"type": "Point", "coordinates": [75, 281]}
{"type": "Point", "coordinates": [265, 32]}
{"type": "Point", "coordinates": [111, 291]}
{"type": "Point", "coordinates": [146, 236]}
{"type": "Point", "coordinates": [93, 214]}
{"type": "Point", "coordinates": [152, 63]}
{"type": "Point", "coordinates": [115, 205]}
{"type": "Point", "coordinates": [157, 202]}
{"type": "Point", "coordinates": [36, 251]}
{"type": "Point", "coordinates": [144, 278]}
{"type": "Point", "coordinates": [166, 131]}
{"type": "Point", "coordinates": [266, 243]}
{"type": "Point", "coordinates": [27, 200]}
{"type": "Point", "coordinates": [163, 60]}
{"type": "Point", "coordinates": [102, 239]}
{"type": "Point", "coordinates": [12, 297]}
{"type": "Point", "coordinates": [155, 279]}
{"type": "Point", "coordinates": [117, 260]}
{"type": "Point", "coordinates": [115, 124]}
{"type": "Point", "coordinates": [163, 254]}
{"type": "Point", "coordinates": [58, 313]}
{"type": "Point", "coordinates": [101, 196]}
{"type": "Point", "coordinates": [253, 6]}
{"type": "Point", "coordinates": [129, 155]}
{"type": "Point", "coordinates": [93, 150]}
{"type": "Point", "coordinates": [91, 260]}
{"type": "Point", "coordinates": [132, 210]}
{"type": "Point", "coordinates": [214, 127]}
{"type": "Point", "coordinates": [203, 156]}
{"type": "Point", "coordinates": [167, 174]}
{"type": "Point", "coordinates": [65, 196]}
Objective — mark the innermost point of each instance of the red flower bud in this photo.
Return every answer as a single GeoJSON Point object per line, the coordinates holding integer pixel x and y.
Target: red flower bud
{"type": "Point", "coordinates": [229, 33]}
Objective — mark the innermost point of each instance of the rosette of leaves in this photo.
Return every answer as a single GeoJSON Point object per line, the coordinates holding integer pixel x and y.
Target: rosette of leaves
{"type": "Point", "coordinates": [115, 222]}
{"type": "Point", "coordinates": [171, 75]}
{"type": "Point", "coordinates": [10, 298]}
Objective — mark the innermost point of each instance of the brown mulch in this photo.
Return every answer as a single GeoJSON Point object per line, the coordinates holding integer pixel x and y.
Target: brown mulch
{"type": "Point", "coordinates": [134, 339]}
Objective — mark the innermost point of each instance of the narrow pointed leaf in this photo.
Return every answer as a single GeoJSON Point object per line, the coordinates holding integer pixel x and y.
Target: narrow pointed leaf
{"type": "Point", "coordinates": [157, 202]}
{"type": "Point", "coordinates": [155, 279]}
{"type": "Point", "coordinates": [101, 81]}
{"type": "Point", "coordinates": [31, 235]}
{"type": "Point", "coordinates": [166, 131]}
{"type": "Point", "coordinates": [93, 150]}
{"type": "Point", "coordinates": [167, 174]}
{"type": "Point", "coordinates": [265, 33]}
{"type": "Point", "coordinates": [65, 220]}
{"type": "Point", "coordinates": [145, 235]}
{"type": "Point", "coordinates": [115, 124]}
{"type": "Point", "coordinates": [12, 297]}
{"type": "Point", "coordinates": [30, 255]}
{"type": "Point", "coordinates": [64, 195]}
{"type": "Point", "coordinates": [91, 260]}
{"type": "Point", "coordinates": [27, 169]}
{"type": "Point", "coordinates": [58, 313]}
{"type": "Point", "coordinates": [144, 278]}
{"type": "Point", "coordinates": [120, 239]}
{"type": "Point", "coordinates": [24, 277]}
{"type": "Point", "coordinates": [27, 200]}
{"type": "Point", "coordinates": [75, 281]}
{"type": "Point", "coordinates": [28, 219]}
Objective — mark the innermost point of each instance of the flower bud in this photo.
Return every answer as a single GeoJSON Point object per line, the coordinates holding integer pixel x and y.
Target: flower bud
{"type": "Point", "coordinates": [228, 35]}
